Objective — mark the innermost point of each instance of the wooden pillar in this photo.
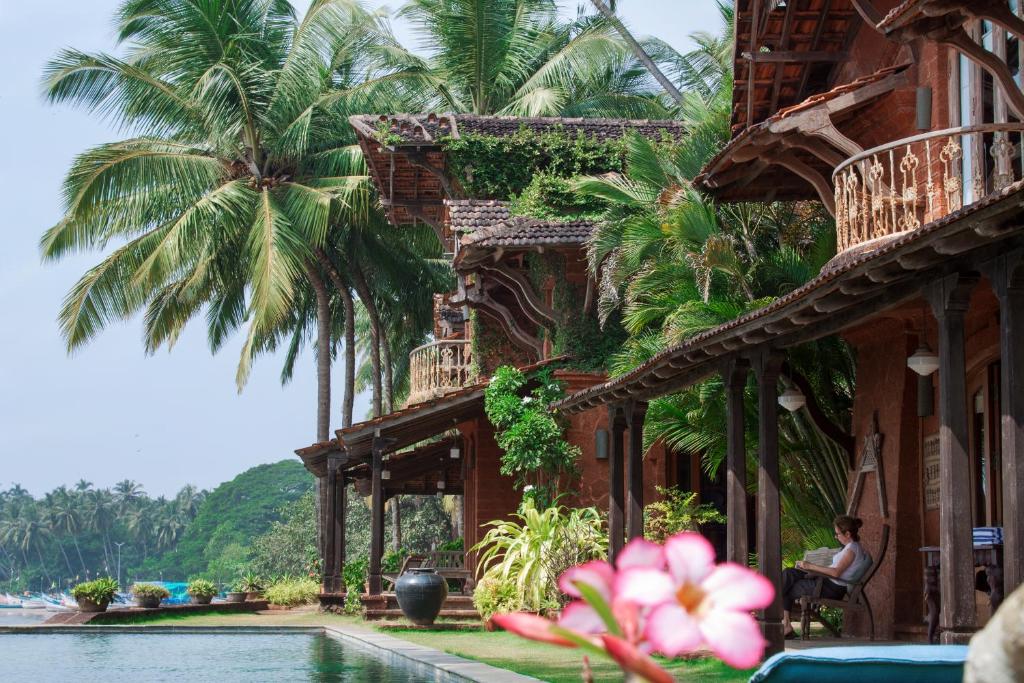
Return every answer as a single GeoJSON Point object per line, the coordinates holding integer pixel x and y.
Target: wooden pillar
{"type": "Point", "coordinates": [735, 375]}
{"type": "Point", "coordinates": [1007, 275]}
{"type": "Point", "coordinates": [339, 547]}
{"type": "Point", "coordinates": [330, 567]}
{"type": "Point", "coordinates": [376, 516]}
{"type": "Point", "coordinates": [949, 298]}
{"type": "Point", "coordinates": [635, 414]}
{"type": "Point", "coordinates": [768, 366]}
{"type": "Point", "coordinates": [617, 427]}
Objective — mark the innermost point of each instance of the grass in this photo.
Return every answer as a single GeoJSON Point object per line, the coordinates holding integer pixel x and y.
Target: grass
{"type": "Point", "coordinates": [504, 650]}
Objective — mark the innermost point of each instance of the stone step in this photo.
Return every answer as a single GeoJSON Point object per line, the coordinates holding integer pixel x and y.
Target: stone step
{"type": "Point", "coordinates": [470, 614]}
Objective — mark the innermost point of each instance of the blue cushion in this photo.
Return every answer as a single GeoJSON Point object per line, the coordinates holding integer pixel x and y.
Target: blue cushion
{"type": "Point", "coordinates": [874, 663]}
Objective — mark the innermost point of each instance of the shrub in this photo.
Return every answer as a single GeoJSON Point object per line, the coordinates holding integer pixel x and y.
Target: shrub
{"type": "Point", "coordinates": [678, 511]}
{"type": "Point", "coordinates": [353, 605]}
{"type": "Point", "coordinates": [150, 590]}
{"type": "Point", "coordinates": [98, 591]}
{"type": "Point", "coordinates": [392, 560]}
{"type": "Point", "coordinates": [290, 592]}
{"type": "Point", "coordinates": [493, 595]}
{"type": "Point", "coordinates": [533, 552]}
{"type": "Point", "coordinates": [249, 582]}
{"type": "Point", "coordinates": [457, 544]}
{"type": "Point", "coordinates": [355, 572]}
{"type": "Point", "coordinates": [201, 588]}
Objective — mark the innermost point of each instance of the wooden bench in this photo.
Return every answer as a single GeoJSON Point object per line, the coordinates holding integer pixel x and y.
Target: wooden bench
{"type": "Point", "coordinates": [450, 564]}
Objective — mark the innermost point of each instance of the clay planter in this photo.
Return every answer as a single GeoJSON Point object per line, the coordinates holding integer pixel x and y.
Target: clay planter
{"type": "Point", "coordinates": [236, 596]}
{"type": "Point", "coordinates": [148, 602]}
{"type": "Point", "coordinates": [253, 595]}
{"type": "Point", "coordinates": [421, 592]}
{"type": "Point", "coordinates": [201, 599]}
{"type": "Point", "coordinates": [87, 605]}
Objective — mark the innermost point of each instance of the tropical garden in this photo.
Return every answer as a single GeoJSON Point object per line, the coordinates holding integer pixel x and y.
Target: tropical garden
{"type": "Point", "coordinates": [238, 200]}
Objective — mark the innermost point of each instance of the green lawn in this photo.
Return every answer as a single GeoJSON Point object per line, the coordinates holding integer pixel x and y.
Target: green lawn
{"type": "Point", "coordinates": [504, 650]}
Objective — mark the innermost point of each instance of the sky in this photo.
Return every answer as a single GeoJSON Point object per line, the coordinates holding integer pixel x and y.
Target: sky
{"type": "Point", "coordinates": [110, 412]}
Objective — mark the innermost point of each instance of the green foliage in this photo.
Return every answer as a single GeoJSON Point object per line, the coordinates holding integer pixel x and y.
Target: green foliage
{"type": "Point", "coordinates": [534, 450]}
{"type": "Point", "coordinates": [289, 545]}
{"type": "Point", "coordinates": [493, 596]}
{"type": "Point", "coordinates": [201, 588]}
{"type": "Point", "coordinates": [532, 549]}
{"type": "Point", "coordinates": [677, 511]}
{"type": "Point", "coordinates": [392, 560]}
{"type": "Point", "coordinates": [238, 511]}
{"type": "Point", "coordinates": [99, 591]}
{"type": "Point", "coordinates": [250, 582]}
{"type": "Point", "coordinates": [553, 197]}
{"type": "Point", "coordinates": [291, 592]}
{"type": "Point", "coordinates": [355, 572]}
{"type": "Point", "coordinates": [353, 606]}
{"type": "Point", "coordinates": [457, 544]}
{"type": "Point", "coordinates": [490, 167]}
{"type": "Point", "coordinates": [150, 590]}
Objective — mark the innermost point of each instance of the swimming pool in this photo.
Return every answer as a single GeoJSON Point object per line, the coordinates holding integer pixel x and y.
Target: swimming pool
{"type": "Point", "coordinates": [187, 657]}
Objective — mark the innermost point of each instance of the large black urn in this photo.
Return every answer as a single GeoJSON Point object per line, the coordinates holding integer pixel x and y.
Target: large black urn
{"type": "Point", "coordinates": [421, 591]}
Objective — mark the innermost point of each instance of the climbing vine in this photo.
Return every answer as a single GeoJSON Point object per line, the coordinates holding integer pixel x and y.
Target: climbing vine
{"type": "Point", "coordinates": [534, 450]}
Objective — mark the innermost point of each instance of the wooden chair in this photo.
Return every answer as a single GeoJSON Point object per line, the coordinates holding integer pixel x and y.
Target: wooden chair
{"type": "Point", "coordinates": [410, 562]}
{"type": "Point", "coordinates": [451, 564]}
{"type": "Point", "coordinates": [855, 599]}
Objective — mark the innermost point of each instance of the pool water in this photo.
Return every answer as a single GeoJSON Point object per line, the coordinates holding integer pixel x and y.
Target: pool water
{"type": "Point", "coordinates": [183, 658]}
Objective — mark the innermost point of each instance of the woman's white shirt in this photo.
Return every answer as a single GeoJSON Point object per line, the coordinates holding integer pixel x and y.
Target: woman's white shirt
{"type": "Point", "coordinates": [861, 561]}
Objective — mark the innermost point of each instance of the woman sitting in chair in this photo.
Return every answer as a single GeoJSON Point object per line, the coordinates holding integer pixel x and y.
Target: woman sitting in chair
{"type": "Point", "coordinates": [847, 565]}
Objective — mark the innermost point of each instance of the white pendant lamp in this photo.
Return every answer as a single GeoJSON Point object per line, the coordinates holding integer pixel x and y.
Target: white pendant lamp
{"type": "Point", "coordinates": [924, 361]}
{"type": "Point", "coordinates": [792, 399]}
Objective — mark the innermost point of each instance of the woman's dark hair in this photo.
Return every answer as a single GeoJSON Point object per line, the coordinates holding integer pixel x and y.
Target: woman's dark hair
{"type": "Point", "coordinates": [848, 525]}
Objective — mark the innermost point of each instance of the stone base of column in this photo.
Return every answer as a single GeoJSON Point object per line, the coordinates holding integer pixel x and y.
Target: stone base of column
{"type": "Point", "coordinates": [957, 637]}
{"type": "Point", "coordinates": [775, 634]}
{"type": "Point", "coordinates": [375, 584]}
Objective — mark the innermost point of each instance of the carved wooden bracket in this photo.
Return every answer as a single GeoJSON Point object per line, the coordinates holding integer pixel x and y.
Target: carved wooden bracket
{"type": "Point", "coordinates": [482, 301]}
{"type": "Point", "coordinates": [533, 307]}
{"type": "Point", "coordinates": [870, 461]}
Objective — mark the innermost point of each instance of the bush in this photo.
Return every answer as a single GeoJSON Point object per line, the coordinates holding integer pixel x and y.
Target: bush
{"type": "Point", "coordinates": [532, 554]}
{"type": "Point", "coordinates": [353, 605]}
{"type": "Point", "coordinates": [150, 590]}
{"type": "Point", "coordinates": [679, 511]}
{"type": "Point", "coordinates": [494, 595]}
{"type": "Point", "coordinates": [355, 572]}
{"type": "Point", "coordinates": [249, 582]}
{"type": "Point", "coordinates": [98, 591]}
{"type": "Point", "coordinates": [457, 544]}
{"type": "Point", "coordinates": [290, 592]}
{"type": "Point", "coordinates": [201, 588]}
{"type": "Point", "coordinates": [392, 560]}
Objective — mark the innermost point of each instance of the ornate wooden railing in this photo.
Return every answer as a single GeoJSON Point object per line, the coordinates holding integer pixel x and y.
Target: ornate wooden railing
{"type": "Point", "coordinates": [900, 186]}
{"type": "Point", "coordinates": [438, 368]}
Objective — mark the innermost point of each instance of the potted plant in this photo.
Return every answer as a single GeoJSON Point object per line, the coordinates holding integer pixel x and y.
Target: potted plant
{"type": "Point", "coordinates": [94, 596]}
{"type": "Point", "coordinates": [252, 585]}
{"type": "Point", "coordinates": [201, 590]}
{"type": "Point", "coordinates": [149, 595]}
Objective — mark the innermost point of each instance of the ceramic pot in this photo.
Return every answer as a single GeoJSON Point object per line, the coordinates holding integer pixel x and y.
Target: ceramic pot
{"type": "Point", "coordinates": [87, 605]}
{"type": "Point", "coordinates": [236, 596]}
{"type": "Point", "coordinates": [253, 595]}
{"type": "Point", "coordinates": [421, 592]}
{"type": "Point", "coordinates": [201, 599]}
{"type": "Point", "coordinates": [148, 602]}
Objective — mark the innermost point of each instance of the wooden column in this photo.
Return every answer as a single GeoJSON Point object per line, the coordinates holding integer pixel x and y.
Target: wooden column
{"type": "Point", "coordinates": [376, 516]}
{"type": "Point", "coordinates": [949, 298]}
{"type": "Point", "coordinates": [635, 414]}
{"type": "Point", "coordinates": [1007, 275]}
{"type": "Point", "coordinates": [767, 366]}
{"type": "Point", "coordinates": [735, 375]}
{"type": "Point", "coordinates": [339, 548]}
{"type": "Point", "coordinates": [330, 567]}
{"type": "Point", "coordinates": [617, 427]}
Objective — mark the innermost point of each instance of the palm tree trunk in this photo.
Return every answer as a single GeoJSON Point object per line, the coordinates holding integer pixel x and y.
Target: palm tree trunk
{"type": "Point", "coordinates": [323, 384]}
{"type": "Point", "coordinates": [81, 561]}
{"type": "Point", "coordinates": [366, 296]}
{"type": "Point", "coordinates": [389, 377]}
{"type": "Point", "coordinates": [66, 560]}
{"type": "Point", "coordinates": [42, 564]}
{"type": "Point", "coordinates": [348, 398]}
{"type": "Point", "coordinates": [638, 50]}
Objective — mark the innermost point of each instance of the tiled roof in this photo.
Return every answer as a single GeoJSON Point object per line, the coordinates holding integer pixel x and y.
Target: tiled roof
{"type": "Point", "coordinates": [466, 215]}
{"type": "Point", "coordinates": [898, 12]}
{"type": "Point", "coordinates": [523, 231]}
{"type": "Point", "coordinates": [425, 129]}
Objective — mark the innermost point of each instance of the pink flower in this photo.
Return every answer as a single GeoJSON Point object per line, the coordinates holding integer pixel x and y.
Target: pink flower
{"type": "Point", "coordinates": [531, 627]}
{"type": "Point", "coordinates": [689, 602]}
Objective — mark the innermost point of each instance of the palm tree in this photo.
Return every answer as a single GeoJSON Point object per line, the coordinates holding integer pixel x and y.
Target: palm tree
{"type": "Point", "coordinates": [518, 57]}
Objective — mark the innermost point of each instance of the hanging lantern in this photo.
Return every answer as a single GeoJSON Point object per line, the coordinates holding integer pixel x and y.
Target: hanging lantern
{"type": "Point", "coordinates": [792, 399]}
{"type": "Point", "coordinates": [454, 452]}
{"type": "Point", "coordinates": [385, 474]}
{"type": "Point", "coordinates": [440, 484]}
{"type": "Point", "coordinates": [924, 361]}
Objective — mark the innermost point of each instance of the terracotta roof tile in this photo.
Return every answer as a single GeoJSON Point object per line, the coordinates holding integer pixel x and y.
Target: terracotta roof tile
{"type": "Point", "coordinates": [898, 12]}
{"type": "Point", "coordinates": [466, 215]}
{"type": "Point", "coordinates": [523, 231]}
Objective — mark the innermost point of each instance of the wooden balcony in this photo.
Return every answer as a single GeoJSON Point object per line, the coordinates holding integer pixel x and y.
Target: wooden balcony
{"type": "Point", "coordinates": [902, 185]}
{"type": "Point", "coordinates": [438, 368]}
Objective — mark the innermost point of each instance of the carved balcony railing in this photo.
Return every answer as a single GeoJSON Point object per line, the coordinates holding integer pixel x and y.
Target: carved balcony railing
{"type": "Point", "coordinates": [438, 368]}
{"type": "Point", "coordinates": [902, 185]}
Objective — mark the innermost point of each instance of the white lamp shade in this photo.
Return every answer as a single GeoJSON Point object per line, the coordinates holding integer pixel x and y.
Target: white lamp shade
{"type": "Point", "coordinates": [454, 452]}
{"type": "Point", "coordinates": [792, 399]}
{"type": "Point", "coordinates": [385, 474]}
{"type": "Point", "coordinates": [440, 485]}
{"type": "Point", "coordinates": [924, 361]}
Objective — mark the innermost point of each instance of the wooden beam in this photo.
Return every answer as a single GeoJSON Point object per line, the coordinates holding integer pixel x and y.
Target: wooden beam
{"type": "Point", "coordinates": [819, 30]}
{"type": "Point", "coordinates": [787, 25]}
{"type": "Point", "coordinates": [822, 186]}
{"type": "Point", "coordinates": [635, 414]}
{"type": "Point", "coordinates": [794, 56]}
{"type": "Point", "coordinates": [376, 517]}
{"type": "Point", "coordinates": [752, 68]}
{"type": "Point", "coordinates": [734, 373]}
{"type": "Point", "coordinates": [867, 12]}
{"type": "Point", "coordinates": [949, 298]}
{"type": "Point", "coordinates": [767, 366]}
{"type": "Point", "coordinates": [616, 504]}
